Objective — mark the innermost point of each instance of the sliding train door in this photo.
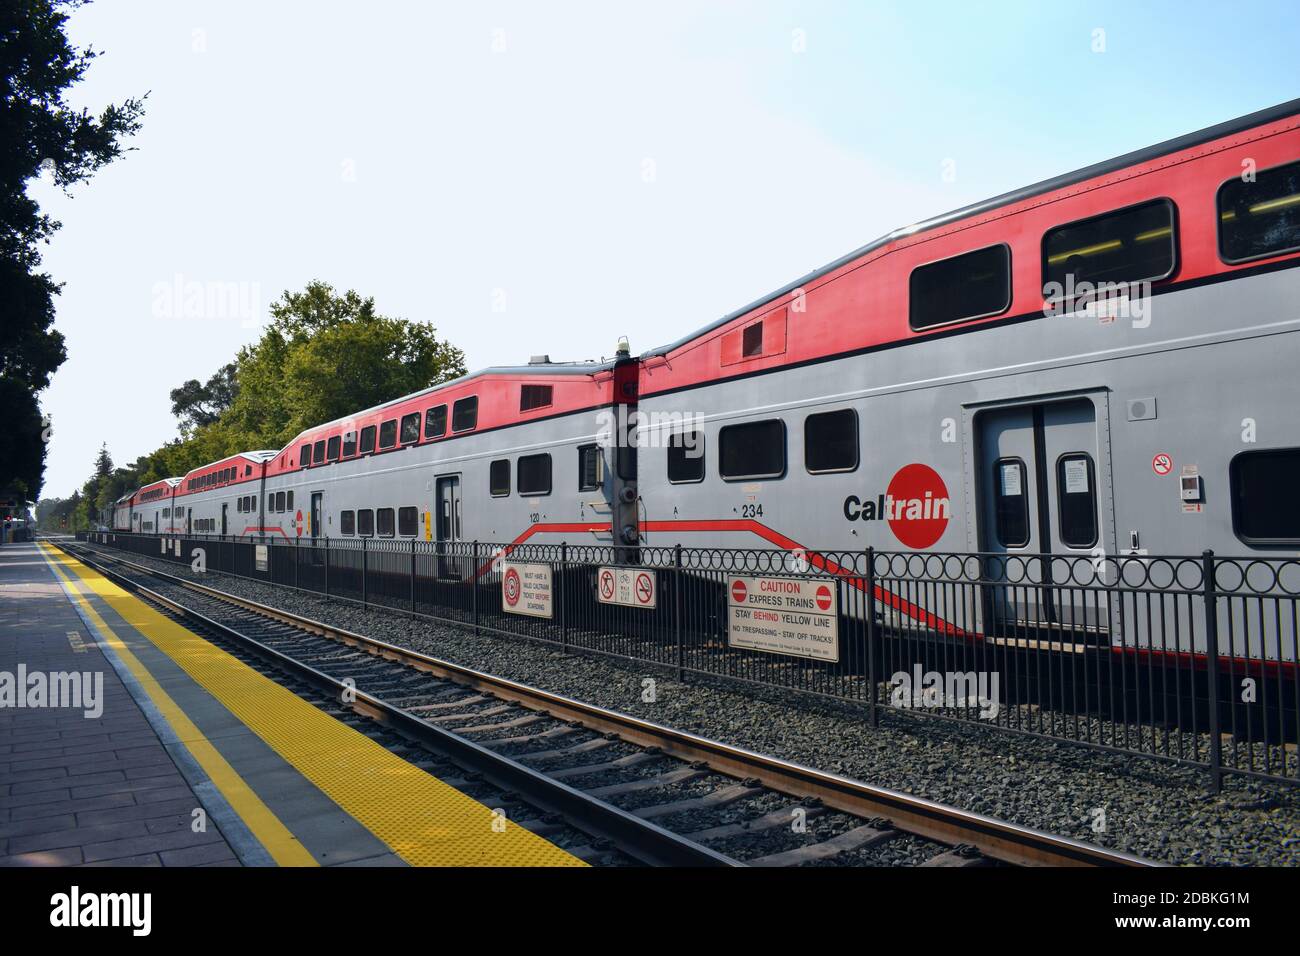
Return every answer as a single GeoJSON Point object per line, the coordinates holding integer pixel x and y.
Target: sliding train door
{"type": "Point", "coordinates": [1040, 517]}
{"type": "Point", "coordinates": [447, 526]}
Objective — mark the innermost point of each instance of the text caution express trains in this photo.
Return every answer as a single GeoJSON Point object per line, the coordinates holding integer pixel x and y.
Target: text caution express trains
{"type": "Point", "coordinates": [1100, 364]}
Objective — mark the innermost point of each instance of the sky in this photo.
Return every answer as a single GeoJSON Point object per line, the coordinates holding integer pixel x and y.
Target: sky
{"type": "Point", "coordinates": [545, 177]}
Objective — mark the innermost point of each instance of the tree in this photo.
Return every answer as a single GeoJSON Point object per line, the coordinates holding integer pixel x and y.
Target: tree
{"type": "Point", "coordinates": [197, 405]}
{"type": "Point", "coordinates": [327, 355]}
{"type": "Point", "coordinates": [39, 133]}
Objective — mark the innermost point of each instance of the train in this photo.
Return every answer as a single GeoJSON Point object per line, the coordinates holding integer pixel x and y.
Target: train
{"type": "Point", "coordinates": [1100, 364]}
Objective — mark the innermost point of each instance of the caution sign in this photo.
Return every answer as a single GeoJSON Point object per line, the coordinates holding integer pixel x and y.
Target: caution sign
{"type": "Point", "coordinates": [631, 587]}
{"type": "Point", "coordinates": [526, 589]}
{"type": "Point", "coordinates": [784, 616]}
{"type": "Point", "coordinates": [260, 556]}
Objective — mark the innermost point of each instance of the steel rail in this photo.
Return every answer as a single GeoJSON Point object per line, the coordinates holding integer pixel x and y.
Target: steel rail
{"type": "Point", "coordinates": [997, 839]}
{"type": "Point", "coordinates": [640, 839]}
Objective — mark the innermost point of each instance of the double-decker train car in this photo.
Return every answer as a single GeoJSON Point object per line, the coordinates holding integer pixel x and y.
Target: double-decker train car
{"type": "Point", "coordinates": [1099, 364]}
{"type": "Point", "coordinates": [147, 510]}
{"type": "Point", "coordinates": [222, 497]}
{"type": "Point", "coordinates": [503, 455]}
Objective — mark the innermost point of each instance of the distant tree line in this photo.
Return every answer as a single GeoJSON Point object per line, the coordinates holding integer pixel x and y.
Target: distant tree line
{"type": "Point", "coordinates": [323, 355]}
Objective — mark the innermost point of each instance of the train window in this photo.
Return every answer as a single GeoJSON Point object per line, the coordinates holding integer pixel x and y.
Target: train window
{"type": "Point", "coordinates": [499, 478]}
{"type": "Point", "coordinates": [407, 522]}
{"type": "Point", "coordinates": [304, 456]}
{"type": "Point", "coordinates": [384, 524]}
{"type": "Point", "coordinates": [410, 428]}
{"type": "Point", "coordinates": [365, 522]}
{"type": "Point", "coordinates": [1011, 503]}
{"type": "Point", "coordinates": [289, 502]}
{"type": "Point", "coordinates": [534, 475]}
{"type": "Point", "coordinates": [1076, 499]}
{"type": "Point", "coordinates": [1265, 509]}
{"type": "Point", "coordinates": [248, 470]}
{"type": "Point", "coordinates": [751, 341]}
{"type": "Point", "coordinates": [830, 442]}
{"type": "Point", "coordinates": [279, 501]}
{"type": "Point", "coordinates": [589, 468]}
{"type": "Point", "coordinates": [464, 414]}
{"type": "Point", "coordinates": [973, 285]}
{"type": "Point", "coordinates": [388, 433]}
{"type": "Point", "coordinates": [332, 449]}
{"type": "Point", "coordinates": [367, 439]}
{"type": "Point", "coordinates": [348, 523]}
{"type": "Point", "coordinates": [752, 450]}
{"type": "Point", "coordinates": [534, 396]}
{"type": "Point", "coordinates": [1260, 218]}
{"type": "Point", "coordinates": [686, 457]}
{"type": "Point", "coordinates": [318, 452]}
{"type": "Point", "coordinates": [435, 422]}
{"type": "Point", "coordinates": [349, 444]}
{"type": "Point", "coordinates": [167, 513]}
{"type": "Point", "coordinates": [270, 502]}
{"type": "Point", "coordinates": [1135, 244]}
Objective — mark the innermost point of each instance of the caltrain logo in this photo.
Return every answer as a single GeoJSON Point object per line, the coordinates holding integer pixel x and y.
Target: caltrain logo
{"type": "Point", "coordinates": [915, 505]}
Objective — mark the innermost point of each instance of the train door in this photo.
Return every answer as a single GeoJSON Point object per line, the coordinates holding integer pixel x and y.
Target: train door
{"type": "Point", "coordinates": [447, 524]}
{"type": "Point", "coordinates": [189, 517]}
{"type": "Point", "coordinates": [223, 518]}
{"type": "Point", "coordinates": [317, 507]}
{"type": "Point", "coordinates": [1040, 516]}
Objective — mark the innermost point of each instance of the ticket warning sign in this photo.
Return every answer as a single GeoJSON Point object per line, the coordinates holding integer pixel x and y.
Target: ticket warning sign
{"type": "Point", "coordinates": [793, 616]}
{"type": "Point", "coordinates": [526, 589]}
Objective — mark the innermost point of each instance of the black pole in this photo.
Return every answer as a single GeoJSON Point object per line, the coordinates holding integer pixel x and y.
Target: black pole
{"type": "Point", "coordinates": [873, 716]}
{"type": "Point", "coordinates": [1212, 668]}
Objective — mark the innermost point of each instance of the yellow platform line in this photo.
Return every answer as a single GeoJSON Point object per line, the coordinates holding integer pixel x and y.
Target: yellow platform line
{"type": "Point", "coordinates": [282, 846]}
{"type": "Point", "coordinates": [422, 819]}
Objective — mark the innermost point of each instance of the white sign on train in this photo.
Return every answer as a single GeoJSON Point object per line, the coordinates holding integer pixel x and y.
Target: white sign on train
{"type": "Point", "coordinates": [631, 587]}
{"type": "Point", "coordinates": [526, 589]}
{"type": "Point", "coordinates": [784, 616]}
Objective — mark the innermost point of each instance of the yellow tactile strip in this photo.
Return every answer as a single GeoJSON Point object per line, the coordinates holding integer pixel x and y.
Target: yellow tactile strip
{"type": "Point", "coordinates": [422, 819]}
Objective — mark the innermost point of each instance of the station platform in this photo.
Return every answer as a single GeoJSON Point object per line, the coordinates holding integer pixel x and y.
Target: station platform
{"type": "Point", "coordinates": [166, 750]}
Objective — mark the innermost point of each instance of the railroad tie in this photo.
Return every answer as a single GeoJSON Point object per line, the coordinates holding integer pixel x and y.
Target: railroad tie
{"type": "Point", "coordinates": [863, 836]}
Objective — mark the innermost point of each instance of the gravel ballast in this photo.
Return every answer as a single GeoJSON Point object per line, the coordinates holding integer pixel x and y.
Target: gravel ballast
{"type": "Point", "coordinates": [1132, 803]}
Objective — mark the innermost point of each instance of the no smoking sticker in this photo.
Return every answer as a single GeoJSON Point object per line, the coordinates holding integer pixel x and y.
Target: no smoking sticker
{"type": "Point", "coordinates": [627, 586]}
{"type": "Point", "coordinates": [1162, 464]}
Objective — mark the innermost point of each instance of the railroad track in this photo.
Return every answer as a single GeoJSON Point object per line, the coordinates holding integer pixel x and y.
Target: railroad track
{"type": "Point", "coordinates": [640, 792]}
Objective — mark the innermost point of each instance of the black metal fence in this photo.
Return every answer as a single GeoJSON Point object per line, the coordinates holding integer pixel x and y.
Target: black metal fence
{"type": "Point", "coordinates": [1190, 659]}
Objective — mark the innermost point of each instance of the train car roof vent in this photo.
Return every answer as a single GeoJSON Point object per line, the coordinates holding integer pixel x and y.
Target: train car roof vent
{"type": "Point", "coordinates": [540, 360]}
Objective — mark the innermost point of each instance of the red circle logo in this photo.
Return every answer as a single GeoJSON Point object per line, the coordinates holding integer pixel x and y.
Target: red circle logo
{"type": "Point", "coordinates": [738, 591]}
{"type": "Point", "coordinates": [644, 588]}
{"type": "Point", "coordinates": [607, 584]}
{"type": "Point", "coordinates": [824, 598]}
{"type": "Point", "coordinates": [918, 508]}
{"type": "Point", "coordinates": [1162, 464]}
{"type": "Point", "coordinates": [512, 587]}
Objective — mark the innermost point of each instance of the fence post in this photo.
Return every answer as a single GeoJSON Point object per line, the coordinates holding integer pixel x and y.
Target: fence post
{"type": "Point", "coordinates": [677, 613]}
{"type": "Point", "coordinates": [327, 568]}
{"type": "Point", "coordinates": [473, 583]}
{"type": "Point", "coordinates": [295, 566]}
{"type": "Point", "coordinates": [365, 571]}
{"type": "Point", "coordinates": [564, 611]}
{"type": "Point", "coordinates": [873, 716]}
{"type": "Point", "coordinates": [1212, 668]}
{"type": "Point", "coordinates": [412, 577]}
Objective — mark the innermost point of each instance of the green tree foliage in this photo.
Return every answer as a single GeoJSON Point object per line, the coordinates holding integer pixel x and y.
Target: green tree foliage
{"type": "Point", "coordinates": [39, 132]}
{"type": "Point", "coordinates": [196, 405]}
